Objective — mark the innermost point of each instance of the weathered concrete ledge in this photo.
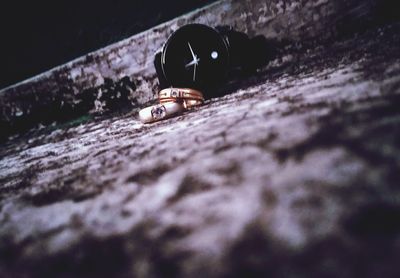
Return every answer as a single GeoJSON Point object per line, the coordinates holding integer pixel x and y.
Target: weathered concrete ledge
{"type": "Point", "coordinates": [122, 74]}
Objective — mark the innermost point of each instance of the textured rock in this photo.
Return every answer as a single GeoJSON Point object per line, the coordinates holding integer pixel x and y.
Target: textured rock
{"type": "Point", "coordinates": [294, 173]}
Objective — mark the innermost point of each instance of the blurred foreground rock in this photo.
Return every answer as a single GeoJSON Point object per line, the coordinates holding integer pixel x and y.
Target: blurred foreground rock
{"type": "Point", "coordinates": [294, 173]}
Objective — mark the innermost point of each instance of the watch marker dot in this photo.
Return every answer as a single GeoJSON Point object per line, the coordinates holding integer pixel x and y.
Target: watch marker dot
{"type": "Point", "coordinates": [214, 54]}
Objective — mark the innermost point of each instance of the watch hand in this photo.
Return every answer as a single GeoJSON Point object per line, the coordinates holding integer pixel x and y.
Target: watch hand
{"type": "Point", "coordinates": [194, 72]}
{"type": "Point", "coordinates": [191, 51]}
{"type": "Point", "coordinates": [194, 62]}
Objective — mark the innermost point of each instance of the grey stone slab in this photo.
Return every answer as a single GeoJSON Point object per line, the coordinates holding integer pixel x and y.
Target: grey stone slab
{"type": "Point", "coordinates": [122, 75]}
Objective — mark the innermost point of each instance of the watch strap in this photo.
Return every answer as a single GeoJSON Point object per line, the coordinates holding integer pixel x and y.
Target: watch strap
{"type": "Point", "coordinates": [246, 53]}
{"type": "Point", "coordinates": [163, 83]}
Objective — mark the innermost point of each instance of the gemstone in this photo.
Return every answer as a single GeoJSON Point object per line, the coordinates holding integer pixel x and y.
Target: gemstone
{"type": "Point", "coordinates": [158, 112]}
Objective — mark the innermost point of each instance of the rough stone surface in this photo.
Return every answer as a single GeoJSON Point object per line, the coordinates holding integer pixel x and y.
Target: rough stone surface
{"type": "Point", "coordinates": [294, 173]}
{"type": "Point", "coordinates": [76, 89]}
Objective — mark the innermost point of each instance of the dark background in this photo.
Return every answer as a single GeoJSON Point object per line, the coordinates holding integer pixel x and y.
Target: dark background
{"type": "Point", "coordinates": [39, 35]}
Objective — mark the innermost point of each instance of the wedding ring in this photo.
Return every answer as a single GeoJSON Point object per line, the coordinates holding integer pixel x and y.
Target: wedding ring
{"type": "Point", "coordinates": [180, 93]}
{"type": "Point", "coordinates": [187, 103]}
{"type": "Point", "coordinates": [160, 111]}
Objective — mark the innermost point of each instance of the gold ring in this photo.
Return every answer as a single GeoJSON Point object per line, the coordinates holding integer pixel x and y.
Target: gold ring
{"type": "Point", "coordinates": [180, 93]}
{"type": "Point", "coordinates": [160, 111]}
{"type": "Point", "coordinates": [187, 103]}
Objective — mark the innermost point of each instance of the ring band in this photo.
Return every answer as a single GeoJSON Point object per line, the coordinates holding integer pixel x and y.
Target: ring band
{"type": "Point", "coordinates": [160, 111]}
{"type": "Point", "coordinates": [187, 103]}
{"type": "Point", "coordinates": [180, 93]}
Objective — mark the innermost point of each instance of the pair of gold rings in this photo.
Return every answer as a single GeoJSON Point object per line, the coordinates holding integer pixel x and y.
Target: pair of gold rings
{"type": "Point", "coordinates": [172, 102]}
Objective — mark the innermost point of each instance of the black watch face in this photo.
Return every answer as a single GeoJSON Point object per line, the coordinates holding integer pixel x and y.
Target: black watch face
{"type": "Point", "coordinates": [195, 56]}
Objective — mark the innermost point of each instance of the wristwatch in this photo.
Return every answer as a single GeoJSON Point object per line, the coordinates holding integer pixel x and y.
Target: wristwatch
{"type": "Point", "coordinates": [201, 57]}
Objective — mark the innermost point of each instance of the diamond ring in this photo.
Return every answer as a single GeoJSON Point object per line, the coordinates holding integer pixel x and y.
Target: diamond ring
{"type": "Point", "coordinates": [160, 111]}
